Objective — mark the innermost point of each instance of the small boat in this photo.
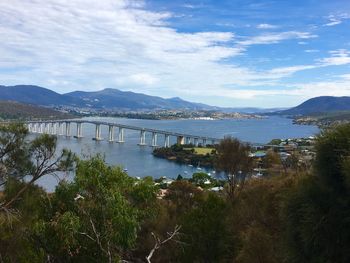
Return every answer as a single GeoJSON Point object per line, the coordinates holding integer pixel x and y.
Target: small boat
{"type": "Point", "coordinates": [125, 170]}
{"type": "Point", "coordinates": [185, 172]}
{"type": "Point", "coordinates": [190, 165]}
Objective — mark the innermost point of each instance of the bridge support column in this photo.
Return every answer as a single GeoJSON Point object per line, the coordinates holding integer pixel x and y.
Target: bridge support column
{"type": "Point", "coordinates": [181, 140]}
{"type": "Point", "coordinates": [212, 142]}
{"type": "Point", "coordinates": [167, 141]}
{"type": "Point", "coordinates": [40, 127]}
{"type": "Point", "coordinates": [121, 135]}
{"type": "Point", "coordinates": [29, 127]}
{"type": "Point", "coordinates": [67, 129]}
{"type": "Point", "coordinates": [154, 139]}
{"type": "Point", "coordinates": [52, 128]}
{"type": "Point", "coordinates": [47, 128]}
{"type": "Point", "coordinates": [196, 142]}
{"type": "Point", "coordinates": [98, 132]}
{"type": "Point", "coordinates": [204, 142]}
{"type": "Point", "coordinates": [142, 138]}
{"type": "Point", "coordinates": [79, 130]}
{"type": "Point", "coordinates": [111, 133]}
{"type": "Point", "coordinates": [188, 140]}
{"type": "Point", "coordinates": [60, 129]}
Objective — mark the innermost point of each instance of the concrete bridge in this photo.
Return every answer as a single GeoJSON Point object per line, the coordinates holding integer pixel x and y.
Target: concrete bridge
{"type": "Point", "coordinates": [63, 128]}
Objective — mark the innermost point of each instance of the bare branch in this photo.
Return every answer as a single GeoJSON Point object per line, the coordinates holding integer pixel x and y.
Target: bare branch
{"type": "Point", "coordinates": [158, 243]}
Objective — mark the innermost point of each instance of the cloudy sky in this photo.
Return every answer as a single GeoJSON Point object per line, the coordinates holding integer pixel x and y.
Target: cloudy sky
{"type": "Point", "coordinates": [221, 52]}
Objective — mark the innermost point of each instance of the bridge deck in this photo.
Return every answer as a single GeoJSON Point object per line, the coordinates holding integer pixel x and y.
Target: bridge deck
{"type": "Point", "coordinates": [130, 127]}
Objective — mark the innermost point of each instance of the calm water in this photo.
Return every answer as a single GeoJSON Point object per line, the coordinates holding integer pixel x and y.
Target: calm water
{"type": "Point", "coordinates": [140, 162]}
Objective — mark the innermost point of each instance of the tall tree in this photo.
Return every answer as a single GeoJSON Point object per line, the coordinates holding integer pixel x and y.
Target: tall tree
{"type": "Point", "coordinates": [234, 160]}
{"type": "Point", "coordinates": [28, 161]}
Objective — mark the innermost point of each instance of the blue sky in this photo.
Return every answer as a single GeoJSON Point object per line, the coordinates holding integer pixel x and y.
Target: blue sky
{"type": "Point", "coordinates": [231, 53]}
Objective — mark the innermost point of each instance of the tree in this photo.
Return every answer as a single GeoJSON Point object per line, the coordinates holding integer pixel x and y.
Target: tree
{"type": "Point", "coordinates": [317, 210]}
{"type": "Point", "coordinates": [204, 231]}
{"type": "Point", "coordinates": [234, 160]}
{"type": "Point", "coordinates": [97, 217]}
{"type": "Point", "coordinates": [28, 161]}
{"type": "Point", "coordinates": [201, 179]}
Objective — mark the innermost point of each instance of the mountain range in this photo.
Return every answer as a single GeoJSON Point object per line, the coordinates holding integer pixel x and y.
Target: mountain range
{"type": "Point", "coordinates": [107, 99]}
{"type": "Point", "coordinates": [111, 99]}
{"type": "Point", "coordinates": [319, 105]}
{"type": "Point", "coordinates": [114, 99]}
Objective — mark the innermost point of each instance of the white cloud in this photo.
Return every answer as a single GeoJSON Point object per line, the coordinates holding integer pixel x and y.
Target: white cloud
{"type": "Point", "coordinates": [144, 78]}
{"type": "Point", "coordinates": [90, 45]}
{"type": "Point", "coordinates": [337, 58]}
{"type": "Point", "coordinates": [273, 38]}
{"type": "Point", "coordinates": [336, 19]}
{"type": "Point", "coordinates": [266, 26]}
{"type": "Point", "coordinates": [311, 50]}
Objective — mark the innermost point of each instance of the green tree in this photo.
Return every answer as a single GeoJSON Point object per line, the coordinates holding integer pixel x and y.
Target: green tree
{"type": "Point", "coordinates": [234, 160]}
{"type": "Point", "coordinates": [317, 210]}
{"type": "Point", "coordinates": [96, 217]}
{"type": "Point", "coordinates": [204, 231]}
{"type": "Point", "coordinates": [201, 179]}
{"type": "Point", "coordinates": [28, 161]}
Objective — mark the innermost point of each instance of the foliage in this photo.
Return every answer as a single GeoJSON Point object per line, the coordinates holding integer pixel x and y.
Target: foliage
{"type": "Point", "coordinates": [233, 159]}
{"type": "Point", "coordinates": [317, 209]}
{"type": "Point", "coordinates": [97, 216]}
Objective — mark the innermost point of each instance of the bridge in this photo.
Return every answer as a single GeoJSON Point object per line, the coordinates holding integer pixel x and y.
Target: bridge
{"type": "Point", "coordinates": [63, 128]}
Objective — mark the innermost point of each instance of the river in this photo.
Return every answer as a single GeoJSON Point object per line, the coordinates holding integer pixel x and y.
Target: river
{"type": "Point", "coordinates": [139, 161]}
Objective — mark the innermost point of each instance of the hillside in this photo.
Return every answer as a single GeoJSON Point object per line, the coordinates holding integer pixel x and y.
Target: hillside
{"type": "Point", "coordinates": [319, 105]}
{"type": "Point", "coordinates": [117, 99]}
{"type": "Point", "coordinates": [35, 95]}
{"type": "Point", "coordinates": [111, 99]}
{"type": "Point", "coordinates": [15, 110]}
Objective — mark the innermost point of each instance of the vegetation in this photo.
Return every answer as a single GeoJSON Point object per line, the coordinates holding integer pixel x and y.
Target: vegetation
{"type": "Point", "coordinates": [187, 154]}
{"type": "Point", "coordinates": [15, 110]}
{"type": "Point", "coordinates": [104, 215]}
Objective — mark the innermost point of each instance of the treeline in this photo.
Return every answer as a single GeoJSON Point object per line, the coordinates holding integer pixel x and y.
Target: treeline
{"type": "Point", "coordinates": [104, 215]}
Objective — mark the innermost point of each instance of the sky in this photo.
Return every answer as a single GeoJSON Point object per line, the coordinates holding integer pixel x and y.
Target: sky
{"type": "Point", "coordinates": [231, 53]}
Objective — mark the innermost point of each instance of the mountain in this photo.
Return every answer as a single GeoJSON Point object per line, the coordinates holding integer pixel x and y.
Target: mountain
{"type": "Point", "coordinates": [15, 110]}
{"type": "Point", "coordinates": [35, 95]}
{"type": "Point", "coordinates": [117, 99]}
{"type": "Point", "coordinates": [318, 105]}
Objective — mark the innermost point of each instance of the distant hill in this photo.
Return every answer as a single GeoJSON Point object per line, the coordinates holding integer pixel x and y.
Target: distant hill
{"type": "Point", "coordinates": [319, 105]}
{"type": "Point", "coordinates": [15, 110]}
{"type": "Point", "coordinates": [104, 99]}
{"type": "Point", "coordinates": [117, 99]}
{"type": "Point", "coordinates": [35, 95]}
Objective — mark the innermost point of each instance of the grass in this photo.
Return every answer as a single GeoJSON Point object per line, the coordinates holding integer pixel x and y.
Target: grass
{"type": "Point", "coordinates": [201, 150]}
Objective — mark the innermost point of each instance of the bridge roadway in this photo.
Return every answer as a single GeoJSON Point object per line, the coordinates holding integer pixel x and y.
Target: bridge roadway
{"type": "Point", "coordinates": [57, 127]}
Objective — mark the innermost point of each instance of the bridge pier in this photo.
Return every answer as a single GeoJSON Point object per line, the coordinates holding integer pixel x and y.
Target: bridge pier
{"type": "Point", "coordinates": [154, 139]}
{"type": "Point", "coordinates": [204, 142]}
{"type": "Point", "coordinates": [121, 135]}
{"type": "Point", "coordinates": [142, 138]}
{"type": "Point", "coordinates": [52, 128]}
{"type": "Point", "coordinates": [196, 143]}
{"type": "Point", "coordinates": [188, 140]}
{"type": "Point", "coordinates": [79, 130]}
{"type": "Point", "coordinates": [212, 142]}
{"type": "Point", "coordinates": [98, 132]}
{"type": "Point", "coordinates": [181, 140]}
{"type": "Point", "coordinates": [67, 129]}
{"type": "Point", "coordinates": [111, 133]}
{"type": "Point", "coordinates": [47, 128]}
{"type": "Point", "coordinates": [167, 140]}
{"type": "Point", "coordinates": [40, 127]}
{"type": "Point", "coordinates": [60, 128]}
